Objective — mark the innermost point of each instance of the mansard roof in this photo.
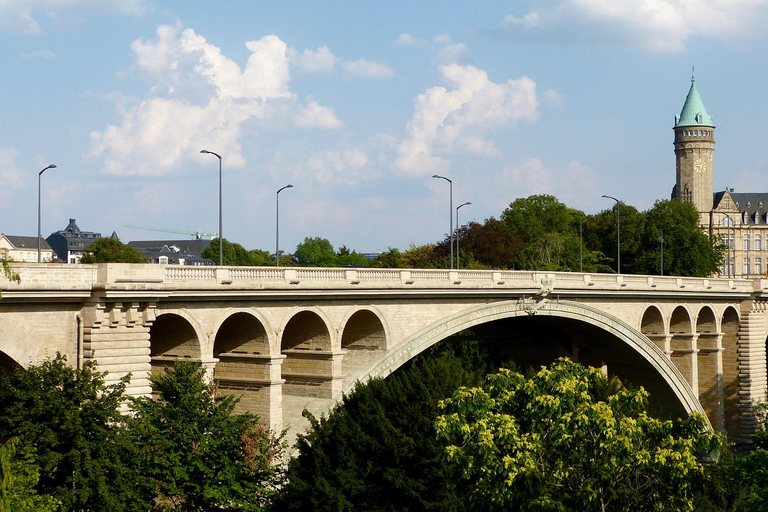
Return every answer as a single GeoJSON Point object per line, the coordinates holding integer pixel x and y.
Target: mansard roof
{"type": "Point", "coordinates": [694, 113]}
{"type": "Point", "coordinates": [26, 242]}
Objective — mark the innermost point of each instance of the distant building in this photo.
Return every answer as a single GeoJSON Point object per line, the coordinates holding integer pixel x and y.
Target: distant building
{"type": "Point", "coordinates": [68, 244]}
{"type": "Point", "coordinates": [173, 252]}
{"type": "Point", "coordinates": [739, 219]}
{"type": "Point", "coordinates": [23, 248]}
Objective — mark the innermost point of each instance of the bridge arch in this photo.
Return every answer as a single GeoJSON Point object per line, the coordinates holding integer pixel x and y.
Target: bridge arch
{"type": "Point", "coordinates": [245, 366]}
{"type": "Point", "coordinates": [312, 353]}
{"type": "Point", "coordinates": [366, 328]}
{"type": "Point", "coordinates": [652, 326]}
{"type": "Point", "coordinates": [729, 327]}
{"type": "Point", "coordinates": [632, 339]}
{"type": "Point", "coordinates": [8, 364]}
{"type": "Point", "coordinates": [173, 336]}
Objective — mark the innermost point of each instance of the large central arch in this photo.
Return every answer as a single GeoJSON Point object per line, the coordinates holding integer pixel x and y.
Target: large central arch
{"type": "Point", "coordinates": [492, 312]}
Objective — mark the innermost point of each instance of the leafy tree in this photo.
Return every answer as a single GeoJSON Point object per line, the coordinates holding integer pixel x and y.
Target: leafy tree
{"type": "Point", "coordinates": [235, 255]}
{"type": "Point", "coordinates": [315, 252]}
{"type": "Point", "coordinates": [425, 256]}
{"type": "Point", "coordinates": [688, 250]}
{"type": "Point", "coordinates": [198, 455]}
{"type": "Point", "coordinates": [347, 258]}
{"type": "Point", "coordinates": [600, 235]}
{"type": "Point", "coordinates": [376, 450]}
{"type": "Point", "coordinates": [111, 250]}
{"type": "Point", "coordinates": [19, 476]}
{"type": "Point", "coordinates": [392, 258]}
{"type": "Point", "coordinates": [9, 274]}
{"type": "Point", "coordinates": [492, 243]}
{"type": "Point", "coordinates": [68, 422]}
{"type": "Point", "coordinates": [551, 443]}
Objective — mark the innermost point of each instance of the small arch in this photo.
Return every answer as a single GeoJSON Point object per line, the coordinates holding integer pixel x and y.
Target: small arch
{"type": "Point", "coordinates": [310, 367]}
{"type": "Point", "coordinates": [364, 330]}
{"type": "Point", "coordinates": [652, 325]}
{"type": "Point", "coordinates": [241, 333]}
{"type": "Point", "coordinates": [8, 365]}
{"type": "Point", "coordinates": [729, 327]}
{"type": "Point", "coordinates": [706, 322]}
{"type": "Point", "coordinates": [171, 337]}
{"type": "Point", "coordinates": [681, 343]}
{"type": "Point", "coordinates": [306, 330]}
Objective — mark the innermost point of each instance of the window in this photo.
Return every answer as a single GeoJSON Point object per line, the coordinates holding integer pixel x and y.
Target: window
{"type": "Point", "coordinates": [728, 267]}
{"type": "Point", "coordinates": [726, 221]}
{"type": "Point", "coordinates": [746, 242]}
{"type": "Point", "coordinates": [746, 266]}
{"type": "Point", "coordinates": [758, 243]}
{"type": "Point", "coordinates": [728, 240]}
{"type": "Point", "coordinates": [758, 267]}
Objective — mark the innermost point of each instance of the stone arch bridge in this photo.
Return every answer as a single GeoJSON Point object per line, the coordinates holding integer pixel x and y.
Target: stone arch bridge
{"type": "Point", "coordinates": [290, 338]}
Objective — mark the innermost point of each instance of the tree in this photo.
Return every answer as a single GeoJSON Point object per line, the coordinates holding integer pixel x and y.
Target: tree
{"type": "Point", "coordinates": [492, 243]}
{"type": "Point", "coordinates": [376, 450]}
{"type": "Point", "coordinates": [9, 274]}
{"type": "Point", "coordinates": [315, 252]}
{"type": "Point", "coordinates": [347, 258]}
{"type": "Point", "coordinates": [19, 476]}
{"type": "Point", "coordinates": [564, 440]}
{"type": "Point", "coordinates": [391, 258]}
{"type": "Point", "coordinates": [198, 455]}
{"type": "Point", "coordinates": [68, 422]}
{"type": "Point", "coordinates": [688, 250]}
{"type": "Point", "coordinates": [111, 250]}
{"type": "Point", "coordinates": [236, 255]}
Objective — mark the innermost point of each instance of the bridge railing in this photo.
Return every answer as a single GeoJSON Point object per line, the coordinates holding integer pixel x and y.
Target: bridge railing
{"type": "Point", "coordinates": [36, 276]}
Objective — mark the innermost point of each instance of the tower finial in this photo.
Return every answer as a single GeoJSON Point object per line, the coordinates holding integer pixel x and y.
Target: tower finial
{"type": "Point", "coordinates": [693, 75]}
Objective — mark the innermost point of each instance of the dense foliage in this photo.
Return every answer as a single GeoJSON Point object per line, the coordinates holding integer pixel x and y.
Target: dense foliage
{"type": "Point", "coordinates": [69, 447]}
{"type": "Point", "coordinates": [237, 255]}
{"type": "Point", "coordinates": [564, 440]}
{"type": "Point", "coordinates": [68, 422]}
{"type": "Point", "coordinates": [377, 449]}
{"type": "Point", "coordinates": [111, 250]}
{"type": "Point", "coordinates": [196, 454]}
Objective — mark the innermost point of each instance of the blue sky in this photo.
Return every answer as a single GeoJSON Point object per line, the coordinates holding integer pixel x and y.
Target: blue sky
{"type": "Point", "coordinates": [358, 104]}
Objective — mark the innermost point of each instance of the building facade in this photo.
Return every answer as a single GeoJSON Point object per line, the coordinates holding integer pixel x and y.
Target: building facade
{"type": "Point", "coordinates": [23, 248]}
{"type": "Point", "coordinates": [739, 219]}
{"type": "Point", "coordinates": [68, 244]}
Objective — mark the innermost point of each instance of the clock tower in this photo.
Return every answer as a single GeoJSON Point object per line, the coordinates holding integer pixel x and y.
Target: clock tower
{"type": "Point", "coordinates": [694, 151]}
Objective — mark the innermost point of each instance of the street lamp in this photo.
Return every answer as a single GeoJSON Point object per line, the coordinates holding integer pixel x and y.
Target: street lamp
{"type": "Point", "coordinates": [277, 225]}
{"type": "Point", "coordinates": [450, 210]}
{"type": "Point", "coordinates": [39, 180]}
{"type": "Point", "coordinates": [221, 235]}
{"type": "Point", "coordinates": [618, 234]}
{"type": "Point", "coordinates": [458, 254]}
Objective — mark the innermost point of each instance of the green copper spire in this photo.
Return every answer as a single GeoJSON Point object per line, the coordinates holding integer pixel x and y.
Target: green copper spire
{"type": "Point", "coordinates": [694, 113]}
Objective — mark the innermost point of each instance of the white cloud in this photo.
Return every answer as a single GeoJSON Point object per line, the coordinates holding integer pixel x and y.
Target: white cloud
{"type": "Point", "coordinates": [317, 116]}
{"type": "Point", "coordinates": [553, 98]}
{"type": "Point", "coordinates": [21, 16]}
{"type": "Point", "coordinates": [317, 61]}
{"type": "Point", "coordinates": [39, 54]}
{"type": "Point", "coordinates": [10, 175]}
{"type": "Point", "coordinates": [454, 122]}
{"type": "Point", "coordinates": [200, 100]}
{"type": "Point", "coordinates": [448, 52]}
{"type": "Point", "coordinates": [574, 184]}
{"type": "Point", "coordinates": [347, 167]}
{"type": "Point", "coordinates": [409, 40]}
{"type": "Point", "coordinates": [656, 25]}
{"type": "Point", "coordinates": [365, 68]}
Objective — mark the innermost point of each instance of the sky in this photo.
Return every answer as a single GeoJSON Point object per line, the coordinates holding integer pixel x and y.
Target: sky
{"type": "Point", "coordinates": [357, 105]}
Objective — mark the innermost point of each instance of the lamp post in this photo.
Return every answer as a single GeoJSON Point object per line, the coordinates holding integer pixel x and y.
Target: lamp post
{"type": "Point", "coordinates": [730, 246]}
{"type": "Point", "coordinates": [450, 210]}
{"type": "Point", "coordinates": [39, 182]}
{"type": "Point", "coordinates": [618, 234]}
{"type": "Point", "coordinates": [277, 224]}
{"type": "Point", "coordinates": [221, 235]}
{"type": "Point", "coordinates": [661, 239]}
{"type": "Point", "coordinates": [458, 254]}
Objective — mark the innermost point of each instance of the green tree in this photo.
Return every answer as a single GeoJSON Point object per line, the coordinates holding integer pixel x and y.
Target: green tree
{"type": "Point", "coordinates": [688, 250]}
{"type": "Point", "coordinates": [198, 455]}
{"type": "Point", "coordinates": [315, 252]}
{"type": "Point", "coordinates": [391, 258]}
{"type": "Point", "coordinates": [9, 274]}
{"type": "Point", "coordinates": [68, 422]}
{"type": "Point", "coordinates": [551, 443]}
{"type": "Point", "coordinates": [600, 234]}
{"type": "Point", "coordinates": [347, 258]}
{"type": "Point", "coordinates": [492, 243]}
{"type": "Point", "coordinates": [376, 450]}
{"type": "Point", "coordinates": [235, 255]}
{"type": "Point", "coordinates": [18, 479]}
{"type": "Point", "coordinates": [111, 250]}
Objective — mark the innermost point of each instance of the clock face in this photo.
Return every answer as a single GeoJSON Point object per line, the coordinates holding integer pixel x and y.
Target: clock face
{"type": "Point", "coordinates": [699, 166]}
